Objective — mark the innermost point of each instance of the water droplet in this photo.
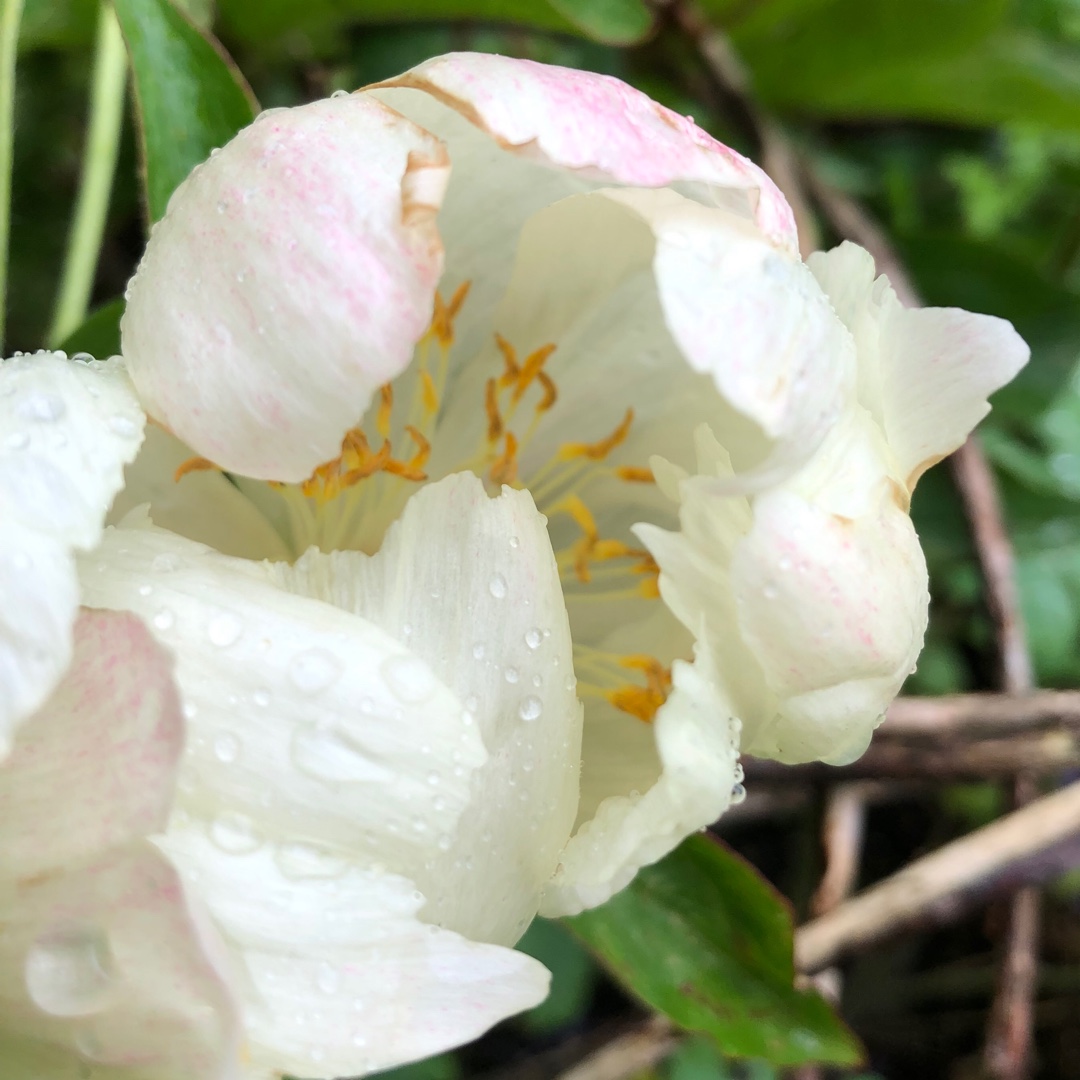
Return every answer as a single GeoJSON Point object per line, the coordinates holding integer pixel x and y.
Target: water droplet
{"type": "Point", "coordinates": [330, 755]}
{"type": "Point", "coordinates": [784, 563]}
{"type": "Point", "coordinates": [738, 794]}
{"type": "Point", "coordinates": [314, 670]}
{"type": "Point", "coordinates": [472, 703]}
{"type": "Point", "coordinates": [433, 778]}
{"type": "Point", "coordinates": [235, 834]}
{"type": "Point", "coordinates": [17, 440]}
{"type": "Point", "coordinates": [42, 407]}
{"type": "Point", "coordinates": [163, 619]}
{"type": "Point", "coordinates": [409, 678]}
{"type": "Point", "coordinates": [327, 978]}
{"type": "Point", "coordinates": [515, 542]}
{"type": "Point", "coordinates": [82, 358]}
{"type": "Point", "coordinates": [261, 698]}
{"type": "Point", "coordinates": [224, 629]}
{"type": "Point", "coordinates": [69, 970]}
{"type": "Point", "coordinates": [497, 586]}
{"type": "Point", "coordinates": [298, 861]}
{"type": "Point", "coordinates": [165, 563]}
{"type": "Point", "coordinates": [533, 638]}
{"type": "Point", "coordinates": [340, 94]}
{"type": "Point", "coordinates": [478, 651]}
{"type": "Point", "coordinates": [226, 747]}
{"type": "Point", "coordinates": [530, 708]}
{"type": "Point", "coordinates": [359, 1040]}
{"type": "Point", "coordinates": [123, 426]}
{"type": "Point", "coordinates": [538, 680]}
{"type": "Point", "coordinates": [511, 675]}
{"type": "Point", "coordinates": [770, 591]}
{"type": "Point", "coordinates": [444, 842]}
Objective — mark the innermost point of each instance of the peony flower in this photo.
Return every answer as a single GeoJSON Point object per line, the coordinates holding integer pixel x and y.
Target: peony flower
{"type": "Point", "coordinates": [105, 965]}
{"type": "Point", "coordinates": [384, 336]}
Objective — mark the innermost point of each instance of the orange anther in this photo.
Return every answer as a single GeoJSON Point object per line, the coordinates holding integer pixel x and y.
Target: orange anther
{"type": "Point", "coordinates": [530, 369]}
{"type": "Point", "coordinates": [442, 319]}
{"type": "Point", "coordinates": [491, 406]}
{"type": "Point", "coordinates": [509, 355]}
{"type": "Point", "coordinates": [639, 701]}
{"type": "Point", "coordinates": [599, 450]}
{"type": "Point", "coordinates": [194, 464]}
{"type": "Point", "coordinates": [423, 448]}
{"type": "Point", "coordinates": [635, 474]}
{"type": "Point", "coordinates": [550, 393]}
{"type": "Point", "coordinates": [386, 407]}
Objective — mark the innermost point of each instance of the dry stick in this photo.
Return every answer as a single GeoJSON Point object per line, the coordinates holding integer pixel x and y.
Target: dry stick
{"type": "Point", "coordinates": [974, 716]}
{"type": "Point", "coordinates": [630, 1054]}
{"type": "Point", "coordinates": [939, 886]}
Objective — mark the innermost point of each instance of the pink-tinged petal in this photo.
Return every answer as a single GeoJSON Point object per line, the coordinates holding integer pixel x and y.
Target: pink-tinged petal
{"type": "Point", "coordinates": [599, 127]}
{"type": "Point", "coordinates": [290, 277]}
{"type": "Point", "coordinates": [924, 373]}
{"type": "Point", "coordinates": [107, 972]}
{"type": "Point", "coordinates": [94, 768]}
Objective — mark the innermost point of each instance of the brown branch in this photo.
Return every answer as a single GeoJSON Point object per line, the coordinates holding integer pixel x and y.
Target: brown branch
{"type": "Point", "coordinates": [939, 886]}
{"type": "Point", "coordinates": [973, 716]}
{"type": "Point", "coordinates": [630, 1054]}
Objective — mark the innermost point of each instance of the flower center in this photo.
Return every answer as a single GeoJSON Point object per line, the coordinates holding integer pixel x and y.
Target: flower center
{"type": "Point", "coordinates": [350, 501]}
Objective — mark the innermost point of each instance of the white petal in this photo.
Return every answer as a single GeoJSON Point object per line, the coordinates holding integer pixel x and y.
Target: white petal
{"type": "Point", "coordinates": [289, 278]}
{"type": "Point", "coordinates": [341, 978]}
{"type": "Point", "coordinates": [202, 505]}
{"type": "Point", "coordinates": [106, 965]}
{"type": "Point", "coordinates": [697, 740]}
{"type": "Point", "coordinates": [304, 722]}
{"type": "Point", "coordinates": [832, 602]}
{"type": "Point", "coordinates": [66, 431]}
{"type": "Point", "coordinates": [483, 607]}
{"type": "Point", "coordinates": [103, 964]}
{"type": "Point", "coordinates": [593, 126]}
{"type": "Point", "coordinates": [925, 374]}
{"type": "Point", "coordinates": [108, 738]}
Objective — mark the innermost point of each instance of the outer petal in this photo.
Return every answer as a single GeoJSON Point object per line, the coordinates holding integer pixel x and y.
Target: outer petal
{"type": "Point", "coordinates": [483, 607]}
{"type": "Point", "coordinates": [289, 278]}
{"type": "Point", "coordinates": [342, 979]}
{"type": "Point", "coordinates": [103, 965]}
{"type": "Point", "coordinates": [697, 740]}
{"type": "Point", "coordinates": [596, 126]}
{"type": "Point", "coordinates": [109, 739]}
{"type": "Point", "coordinates": [304, 722]}
{"type": "Point", "coordinates": [202, 505]}
{"type": "Point", "coordinates": [925, 373]}
{"type": "Point", "coordinates": [66, 431]}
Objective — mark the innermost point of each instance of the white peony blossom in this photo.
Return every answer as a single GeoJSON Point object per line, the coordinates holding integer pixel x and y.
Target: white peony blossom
{"type": "Point", "coordinates": [105, 967]}
{"type": "Point", "coordinates": [393, 330]}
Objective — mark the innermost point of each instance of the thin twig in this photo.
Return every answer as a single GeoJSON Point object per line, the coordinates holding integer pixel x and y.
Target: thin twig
{"type": "Point", "coordinates": [941, 885]}
{"type": "Point", "coordinates": [974, 716]}
{"type": "Point", "coordinates": [634, 1052]}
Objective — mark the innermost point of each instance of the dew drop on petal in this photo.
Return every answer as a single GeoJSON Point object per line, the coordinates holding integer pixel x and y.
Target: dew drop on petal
{"type": "Point", "coordinates": [738, 794]}
{"type": "Point", "coordinates": [530, 708]}
{"type": "Point", "coordinates": [409, 678]}
{"type": "Point", "coordinates": [534, 638]}
{"type": "Point", "coordinates": [123, 426]}
{"type": "Point", "coordinates": [224, 629]}
{"type": "Point", "coordinates": [69, 971]}
{"type": "Point", "coordinates": [331, 756]}
{"type": "Point", "coordinates": [261, 698]}
{"type": "Point", "coordinates": [235, 834]}
{"type": "Point", "coordinates": [42, 407]}
{"type": "Point", "coordinates": [511, 675]}
{"type": "Point", "coordinates": [313, 670]}
{"type": "Point", "coordinates": [298, 861]}
{"type": "Point", "coordinates": [497, 586]}
{"type": "Point", "coordinates": [226, 747]}
{"type": "Point", "coordinates": [163, 619]}
{"type": "Point", "coordinates": [478, 651]}
{"type": "Point", "coordinates": [17, 440]}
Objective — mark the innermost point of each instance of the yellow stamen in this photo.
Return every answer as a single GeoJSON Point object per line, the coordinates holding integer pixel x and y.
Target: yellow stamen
{"type": "Point", "coordinates": [643, 701]}
{"type": "Point", "coordinates": [386, 407]}
{"type": "Point", "coordinates": [505, 468]}
{"type": "Point", "coordinates": [635, 474]}
{"type": "Point", "coordinates": [442, 319]}
{"type": "Point", "coordinates": [195, 464]}
{"type": "Point", "coordinates": [599, 450]}
{"type": "Point", "coordinates": [428, 392]}
{"type": "Point", "coordinates": [550, 392]}
{"type": "Point", "coordinates": [509, 355]}
{"type": "Point", "coordinates": [530, 369]}
{"type": "Point", "coordinates": [491, 406]}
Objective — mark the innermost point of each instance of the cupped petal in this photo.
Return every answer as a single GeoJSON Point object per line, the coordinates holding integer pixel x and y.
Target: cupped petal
{"type": "Point", "coordinates": [341, 977]}
{"type": "Point", "coordinates": [924, 373]}
{"type": "Point", "coordinates": [104, 964]}
{"type": "Point", "coordinates": [310, 730]}
{"type": "Point", "coordinates": [596, 127]}
{"type": "Point", "coordinates": [108, 738]}
{"type": "Point", "coordinates": [290, 277]}
{"type": "Point", "coordinates": [67, 429]}
{"type": "Point", "coordinates": [202, 505]}
{"type": "Point", "coordinates": [483, 607]}
{"type": "Point", "coordinates": [697, 737]}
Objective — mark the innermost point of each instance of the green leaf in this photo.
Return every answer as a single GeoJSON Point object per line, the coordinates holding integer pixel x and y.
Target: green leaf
{"type": "Point", "coordinates": [99, 335]}
{"type": "Point", "coordinates": [615, 22]}
{"type": "Point", "coordinates": [573, 976]}
{"type": "Point", "coordinates": [704, 939]}
{"type": "Point", "coordinates": [190, 97]}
